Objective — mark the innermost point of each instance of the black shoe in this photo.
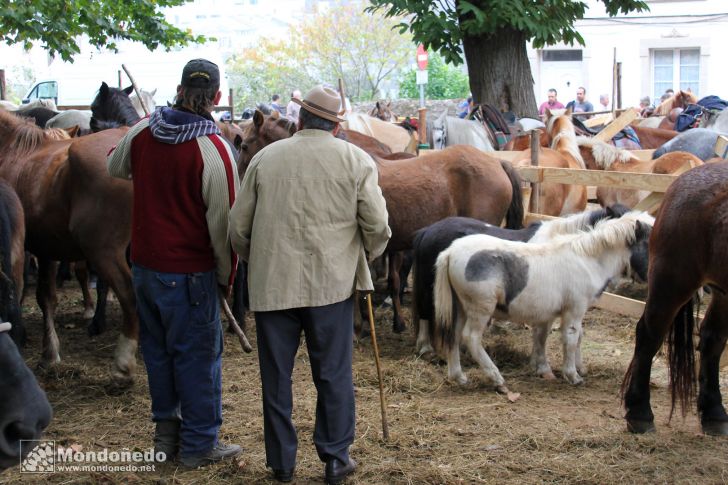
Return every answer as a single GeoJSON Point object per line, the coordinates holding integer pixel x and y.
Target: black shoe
{"type": "Point", "coordinates": [166, 438]}
{"type": "Point", "coordinates": [337, 471]}
{"type": "Point", "coordinates": [284, 476]}
{"type": "Point", "coordinates": [219, 452]}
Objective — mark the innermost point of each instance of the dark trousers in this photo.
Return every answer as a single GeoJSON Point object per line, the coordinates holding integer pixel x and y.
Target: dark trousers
{"type": "Point", "coordinates": [329, 334]}
{"type": "Point", "coordinates": [181, 342]}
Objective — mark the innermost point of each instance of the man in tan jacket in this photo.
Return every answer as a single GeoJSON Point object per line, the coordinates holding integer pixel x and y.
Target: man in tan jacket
{"type": "Point", "coordinates": [307, 215]}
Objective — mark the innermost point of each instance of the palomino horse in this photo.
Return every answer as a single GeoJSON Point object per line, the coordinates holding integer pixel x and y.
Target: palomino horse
{"type": "Point", "coordinates": [24, 408]}
{"type": "Point", "coordinates": [558, 199]}
{"type": "Point", "coordinates": [481, 277]}
{"type": "Point", "coordinates": [688, 250]}
{"type": "Point", "coordinates": [434, 239]}
{"type": "Point", "coordinates": [459, 180]}
{"type": "Point", "coordinates": [601, 156]}
{"type": "Point", "coordinates": [74, 210]}
{"type": "Point", "coordinates": [383, 111]}
{"type": "Point", "coordinates": [398, 139]}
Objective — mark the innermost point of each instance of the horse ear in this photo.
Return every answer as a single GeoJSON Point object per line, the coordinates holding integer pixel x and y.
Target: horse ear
{"type": "Point", "coordinates": [72, 131]}
{"type": "Point", "coordinates": [389, 103]}
{"type": "Point", "coordinates": [568, 111]}
{"type": "Point", "coordinates": [104, 89]}
{"type": "Point", "coordinates": [238, 142]}
{"type": "Point", "coordinates": [258, 119]}
{"type": "Point", "coordinates": [275, 114]}
{"type": "Point", "coordinates": [547, 112]}
{"type": "Point", "coordinates": [129, 90]}
{"type": "Point", "coordinates": [153, 92]}
{"type": "Point", "coordinates": [378, 105]}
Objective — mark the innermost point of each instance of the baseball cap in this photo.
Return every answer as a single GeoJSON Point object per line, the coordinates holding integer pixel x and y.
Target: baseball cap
{"type": "Point", "coordinates": [200, 73]}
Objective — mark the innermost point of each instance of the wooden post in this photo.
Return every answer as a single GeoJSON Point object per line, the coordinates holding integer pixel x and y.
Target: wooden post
{"type": "Point", "coordinates": [536, 186]}
{"type": "Point", "coordinates": [614, 83]}
{"type": "Point", "coordinates": [230, 103]}
{"type": "Point", "coordinates": [3, 88]}
{"type": "Point", "coordinates": [136, 90]}
{"type": "Point", "coordinates": [118, 76]}
{"type": "Point", "coordinates": [619, 85]}
{"type": "Point", "coordinates": [422, 128]}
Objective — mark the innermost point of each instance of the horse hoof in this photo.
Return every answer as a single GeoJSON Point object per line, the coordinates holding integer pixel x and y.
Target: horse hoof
{"type": "Point", "coordinates": [640, 427]}
{"type": "Point", "coordinates": [398, 327]}
{"type": "Point", "coordinates": [715, 428]}
{"type": "Point", "coordinates": [426, 349]}
{"type": "Point", "coordinates": [548, 376]}
{"type": "Point", "coordinates": [461, 379]}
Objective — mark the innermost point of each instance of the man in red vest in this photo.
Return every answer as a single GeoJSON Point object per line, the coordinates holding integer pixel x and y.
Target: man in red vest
{"type": "Point", "coordinates": [185, 180]}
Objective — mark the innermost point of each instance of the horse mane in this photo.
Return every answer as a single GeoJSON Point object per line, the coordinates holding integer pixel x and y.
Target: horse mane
{"type": "Point", "coordinates": [116, 107]}
{"type": "Point", "coordinates": [572, 224]}
{"type": "Point", "coordinates": [606, 234]}
{"type": "Point", "coordinates": [22, 137]}
{"type": "Point", "coordinates": [666, 106]}
{"type": "Point", "coordinates": [605, 155]}
{"type": "Point", "coordinates": [566, 132]}
{"type": "Point", "coordinates": [57, 134]}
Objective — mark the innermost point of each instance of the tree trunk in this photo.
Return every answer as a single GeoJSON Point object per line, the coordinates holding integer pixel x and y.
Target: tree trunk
{"type": "Point", "coordinates": [500, 73]}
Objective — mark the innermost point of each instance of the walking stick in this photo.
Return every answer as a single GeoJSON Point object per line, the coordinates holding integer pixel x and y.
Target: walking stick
{"type": "Point", "coordinates": [385, 428]}
{"type": "Point", "coordinates": [244, 343]}
{"type": "Point", "coordinates": [136, 90]}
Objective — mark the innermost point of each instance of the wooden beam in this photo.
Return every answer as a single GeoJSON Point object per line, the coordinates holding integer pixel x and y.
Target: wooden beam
{"type": "Point", "coordinates": [617, 125]}
{"type": "Point", "coordinates": [625, 180]}
{"type": "Point", "coordinates": [531, 217]}
{"type": "Point", "coordinates": [650, 202]}
{"type": "Point", "coordinates": [643, 155]}
{"type": "Point", "coordinates": [721, 146]}
{"type": "Point", "coordinates": [620, 304]}
{"type": "Point", "coordinates": [598, 120]}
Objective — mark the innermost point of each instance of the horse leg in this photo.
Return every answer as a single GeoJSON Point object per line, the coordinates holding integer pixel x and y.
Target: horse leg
{"type": "Point", "coordinates": [580, 367]}
{"type": "Point", "coordinates": [713, 336]}
{"type": "Point", "coordinates": [116, 272]}
{"type": "Point", "coordinates": [454, 370]}
{"type": "Point", "coordinates": [393, 280]}
{"type": "Point", "coordinates": [473, 336]}
{"type": "Point", "coordinates": [663, 302]}
{"type": "Point", "coordinates": [570, 338]}
{"type": "Point", "coordinates": [423, 344]}
{"type": "Point", "coordinates": [97, 325]}
{"type": "Point", "coordinates": [539, 362]}
{"type": "Point", "coordinates": [48, 300]}
{"type": "Point", "coordinates": [81, 271]}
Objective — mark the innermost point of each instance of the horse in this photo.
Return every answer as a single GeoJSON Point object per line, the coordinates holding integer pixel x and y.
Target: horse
{"type": "Point", "coordinates": [24, 409]}
{"type": "Point", "coordinates": [39, 115]}
{"type": "Point", "coordinates": [716, 122]}
{"type": "Point", "coordinates": [481, 277]}
{"type": "Point", "coordinates": [147, 97]}
{"type": "Point", "coordinates": [698, 141]}
{"type": "Point", "coordinates": [12, 260]}
{"type": "Point", "coordinates": [112, 108]}
{"type": "Point", "coordinates": [383, 111]}
{"type": "Point", "coordinates": [395, 137]}
{"type": "Point", "coordinates": [432, 240]}
{"type": "Point", "coordinates": [601, 156]}
{"type": "Point", "coordinates": [446, 131]}
{"type": "Point", "coordinates": [652, 137]}
{"type": "Point", "coordinates": [681, 99]}
{"type": "Point", "coordinates": [558, 199]}
{"type": "Point", "coordinates": [688, 250]}
{"type": "Point", "coordinates": [74, 210]}
{"type": "Point", "coordinates": [70, 118]}
{"type": "Point", "coordinates": [459, 180]}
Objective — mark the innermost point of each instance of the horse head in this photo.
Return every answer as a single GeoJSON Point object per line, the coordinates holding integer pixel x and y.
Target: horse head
{"type": "Point", "coordinates": [263, 131]}
{"type": "Point", "coordinates": [112, 108]}
{"type": "Point", "coordinates": [639, 251]}
{"type": "Point", "coordinates": [383, 112]}
{"type": "Point", "coordinates": [438, 132]}
{"type": "Point", "coordinates": [147, 97]}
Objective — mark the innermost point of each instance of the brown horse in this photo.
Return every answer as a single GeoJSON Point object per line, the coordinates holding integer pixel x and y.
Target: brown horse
{"type": "Point", "coordinates": [688, 250]}
{"type": "Point", "coordinates": [558, 199]}
{"type": "Point", "coordinates": [383, 111]}
{"type": "Point", "coordinates": [680, 99]}
{"type": "Point", "coordinates": [457, 181]}
{"type": "Point", "coordinates": [74, 210]}
{"type": "Point", "coordinates": [598, 155]}
{"type": "Point", "coordinates": [651, 138]}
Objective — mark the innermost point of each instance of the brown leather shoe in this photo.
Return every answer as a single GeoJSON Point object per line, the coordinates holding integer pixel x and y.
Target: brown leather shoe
{"type": "Point", "coordinates": [337, 471]}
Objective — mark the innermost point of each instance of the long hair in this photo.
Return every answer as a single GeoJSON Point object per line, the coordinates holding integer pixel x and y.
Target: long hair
{"type": "Point", "coordinates": [198, 100]}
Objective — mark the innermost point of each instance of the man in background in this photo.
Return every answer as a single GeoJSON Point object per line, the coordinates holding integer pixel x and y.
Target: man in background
{"type": "Point", "coordinates": [293, 108]}
{"type": "Point", "coordinates": [276, 104]}
{"type": "Point", "coordinates": [551, 104]}
{"type": "Point", "coordinates": [580, 104]}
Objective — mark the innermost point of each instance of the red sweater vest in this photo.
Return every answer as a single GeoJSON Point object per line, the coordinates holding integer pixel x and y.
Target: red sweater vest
{"type": "Point", "coordinates": [169, 228]}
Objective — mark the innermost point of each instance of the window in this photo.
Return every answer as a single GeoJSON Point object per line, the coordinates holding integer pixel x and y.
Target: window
{"type": "Point", "coordinates": [562, 55]}
{"type": "Point", "coordinates": [675, 69]}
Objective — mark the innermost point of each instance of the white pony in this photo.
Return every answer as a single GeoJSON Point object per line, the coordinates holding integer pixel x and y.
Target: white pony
{"type": "Point", "coordinates": [446, 131]}
{"type": "Point", "coordinates": [148, 97]}
{"type": "Point", "coordinates": [481, 277]}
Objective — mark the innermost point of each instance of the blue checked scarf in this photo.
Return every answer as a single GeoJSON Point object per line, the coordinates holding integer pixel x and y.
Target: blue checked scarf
{"type": "Point", "coordinates": [173, 126]}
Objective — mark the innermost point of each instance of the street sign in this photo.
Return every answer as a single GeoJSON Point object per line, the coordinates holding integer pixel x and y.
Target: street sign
{"type": "Point", "coordinates": [421, 77]}
{"type": "Point", "coordinates": [421, 58]}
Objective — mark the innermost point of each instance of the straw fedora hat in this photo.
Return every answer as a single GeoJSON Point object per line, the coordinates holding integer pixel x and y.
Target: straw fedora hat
{"type": "Point", "coordinates": [323, 102]}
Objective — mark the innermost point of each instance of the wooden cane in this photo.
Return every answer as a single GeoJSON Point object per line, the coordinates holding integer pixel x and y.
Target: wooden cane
{"type": "Point", "coordinates": [244, 343]}
{"type": "Point", "coordinates": [136, 90]}
{"type": "Point", "coordinates": [385, 427]}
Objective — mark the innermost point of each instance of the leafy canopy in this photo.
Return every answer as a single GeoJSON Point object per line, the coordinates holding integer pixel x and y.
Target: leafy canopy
{"type": "Point", "coordinates": [441, 25]}
{"type": "Point", "coordinates": [57, 24]}
{"type": "Point", "coordinates": [445, 81]}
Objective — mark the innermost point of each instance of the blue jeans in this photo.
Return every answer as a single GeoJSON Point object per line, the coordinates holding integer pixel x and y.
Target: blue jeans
{"type": "Point", "coordinates": [181, 342]}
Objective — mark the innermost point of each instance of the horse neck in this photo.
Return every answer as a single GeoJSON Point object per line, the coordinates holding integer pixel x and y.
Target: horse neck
{"type": "Point", "coordinates": [606, 247]}
{"type": "Point", "coordinates": [565, 225]}
{"type": "Point", "coordinates": [565, 142]}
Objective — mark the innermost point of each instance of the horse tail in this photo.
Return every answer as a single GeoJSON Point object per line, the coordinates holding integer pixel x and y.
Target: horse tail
{"type": "Point", "coordinates": [444, 332]}
{"type": "Point", "coordinates": [514, 216]}
{"type": "Point", "coordinates": [416, 286]}
{"type": "Point", "coordinates": [681, 358]}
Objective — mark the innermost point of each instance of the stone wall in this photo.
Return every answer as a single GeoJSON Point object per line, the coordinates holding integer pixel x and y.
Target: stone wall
{"type": "Point", "coordinates": [408, 107]}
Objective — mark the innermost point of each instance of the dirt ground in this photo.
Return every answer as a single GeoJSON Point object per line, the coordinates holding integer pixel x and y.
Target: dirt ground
{"type": "Point", "coordinates": [440, 433]}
